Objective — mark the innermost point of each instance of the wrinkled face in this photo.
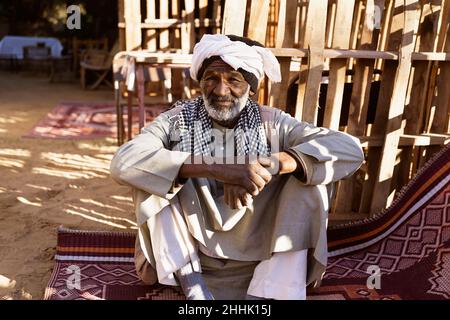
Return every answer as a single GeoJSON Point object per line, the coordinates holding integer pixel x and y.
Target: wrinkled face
{"type": "Point", "coordinates": [224, 90]}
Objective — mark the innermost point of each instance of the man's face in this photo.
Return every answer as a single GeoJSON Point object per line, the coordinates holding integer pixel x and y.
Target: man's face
{"type": "Point", "coordinates": [224, 90]}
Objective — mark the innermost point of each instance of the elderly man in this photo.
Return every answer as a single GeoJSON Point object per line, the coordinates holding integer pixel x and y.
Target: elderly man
{"type": "Point", "coordinates": [232, 197]}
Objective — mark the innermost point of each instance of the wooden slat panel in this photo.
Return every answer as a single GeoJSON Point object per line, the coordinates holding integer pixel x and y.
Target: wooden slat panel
{"type": "Point", "coordinates": [151, 35]}
{"type": "Point", "coordinates": [408, 140]}
{"type": "Point", "coordinates": [284, 38]}
{"type": "Point", "coordinates": [164, 34]}
{"type": "Point", "coordinates": [392, 21]}
{"type": "Point", "coordinates": [234, 17]}
{"type": "Point", "coordinates": [203, 9]}
{"type": "Point", "coordinates": [359, 101]}
{"type": "Point", "coordinates": [189, 20]}
{"type": "Point", "coordinates": [216, 13]}
{"type": "Point", "coordinates": [393, 129]}
{"type": "Point", "coordinates": [176, 14]}
{"type": "Point", "coordinates": [438, 119]}
{"type": "Point", "coordinates": [341, 39]}
{"type": "Point", "coordinates": [308, 89]}
{"type": "Point", "coordinates": [416, 104]}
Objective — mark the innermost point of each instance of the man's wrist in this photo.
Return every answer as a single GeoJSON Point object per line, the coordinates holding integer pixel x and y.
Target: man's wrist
{"type": "Point", "coordinates": [289, 164]}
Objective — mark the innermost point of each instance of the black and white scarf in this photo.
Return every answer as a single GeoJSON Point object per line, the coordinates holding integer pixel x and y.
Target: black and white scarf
{"type": "Point", "coordinates": [194, 126]}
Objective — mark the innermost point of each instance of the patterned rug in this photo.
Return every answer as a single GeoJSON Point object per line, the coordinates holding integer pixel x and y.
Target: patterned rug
{"type": "Point", "coordinates": [87, 120]}
{"type": "Point", "coordinates": [402, 253]}
{"type": "Point", "coordinates": [95, 265]}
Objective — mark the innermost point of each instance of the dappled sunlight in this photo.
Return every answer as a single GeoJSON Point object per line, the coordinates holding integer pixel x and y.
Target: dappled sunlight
{"type": "Point", "coordinates": [15, 152]}
{"type": "Point", "coordinates": [72, 175]}
{"type": "Point", "coordinates": [102, 205]}
{"type": "Point", "coordinates": [122, 198]}
{"type": "Point", "coordinates": [11, 163]}
{"type": "Point", "coordinates": [6, 283]}
{"type": "Point", "coordinates": [77, 161]}
{"type": "Point", "coordinates": [10, 120]}
{"type": "Point", "coordinates": [25, 201]}
{"type": "Point", "coordinates": [8, 290]}
{"type": "Point", "coordinates": [102, 214]}
{"type": "Point", "coordinates": [92, 218]}
{"type": "Point", "coordinates": [2, 190]}
{"type": "Point", "coordinates": [8, 157]}
{"type": "Point", "coordinates": [98, 148]}
{"type": "Point", "coordinates": [37, 187]}
{"type": "Point", "coordinates": [73, 166]}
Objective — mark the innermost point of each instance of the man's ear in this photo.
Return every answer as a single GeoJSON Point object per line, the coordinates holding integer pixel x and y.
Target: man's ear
{"type": "Point", "coordinates": [251, 93]}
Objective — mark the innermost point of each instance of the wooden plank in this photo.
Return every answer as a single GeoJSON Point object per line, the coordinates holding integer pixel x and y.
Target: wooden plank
{"type": "Point", "coordinates": [203, 9]}
{"type": "Point", "coordinates": [120, 19]}
{"type": "Point", "coordinates": [408, 140]}
{"type": "Point", "coordinates": [308, 92]}
{"type": "Point", "coordinates": [394, 129]}
{"type": "Point", "coordinates": [216, 14]}
{"type": "Point", "coordinates": [259, 16]}
{"type": "Point", "coordinates": [151, 35]}
{"type": "Point", "coordinates": [234, 17]}
{"type": "Point", "coordinates": [341, 39]}
{"type": "Point", "coordinates": [174, 23]}
{"type": "Point", "coordinates": [176, 14]}
{"type": "Point", "coordinates": [189, 6]}
{"type": "Point", "coordinates": [331, 17]}
{"type": "Point", "coordinates": [284, 38]}
{"type": "Point", "coordinates": [302, 23]}
{"type": "Point", "coordinates": [133, 37]}
{"type": "Point", "coordinates": [361, 54]}
{"type": "Point", "coordinates": [164, 34]}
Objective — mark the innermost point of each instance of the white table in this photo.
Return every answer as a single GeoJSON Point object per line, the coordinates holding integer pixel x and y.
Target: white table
{"type": "Point", "coordinates": [13, 45]}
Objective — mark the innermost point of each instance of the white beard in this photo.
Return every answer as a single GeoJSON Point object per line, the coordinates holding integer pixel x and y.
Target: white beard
{"type": "Point", "coordinates": [224, 115]}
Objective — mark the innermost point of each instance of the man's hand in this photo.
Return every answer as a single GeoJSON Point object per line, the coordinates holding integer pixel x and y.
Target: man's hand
{"type": "Point", "coordinates": [251, 176]}
{"type": "Point", "coordinates": [236, 196]}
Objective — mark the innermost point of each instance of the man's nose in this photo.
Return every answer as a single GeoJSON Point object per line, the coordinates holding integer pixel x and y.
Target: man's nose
{"type": "Point", "coordinates": [222, 89]}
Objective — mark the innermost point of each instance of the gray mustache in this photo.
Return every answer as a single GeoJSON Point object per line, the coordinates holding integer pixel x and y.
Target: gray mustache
{"type": "Point", "coordinates": [222, 99]}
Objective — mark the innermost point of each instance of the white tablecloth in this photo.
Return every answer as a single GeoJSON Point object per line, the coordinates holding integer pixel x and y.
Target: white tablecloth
{"type": "Point", "coordinates": [13, 45]}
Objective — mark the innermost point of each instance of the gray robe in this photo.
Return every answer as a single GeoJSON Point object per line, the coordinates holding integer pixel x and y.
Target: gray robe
{"type": "Point", "coordinates": [289, 214]}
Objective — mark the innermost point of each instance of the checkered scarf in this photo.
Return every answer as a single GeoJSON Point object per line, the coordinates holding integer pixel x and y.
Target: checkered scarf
{"type": "Point", "coordinates": [195, 126]}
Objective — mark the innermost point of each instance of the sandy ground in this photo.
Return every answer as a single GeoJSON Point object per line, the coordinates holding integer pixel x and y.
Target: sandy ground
{"type": "Point", "coordinates": [47, 183]}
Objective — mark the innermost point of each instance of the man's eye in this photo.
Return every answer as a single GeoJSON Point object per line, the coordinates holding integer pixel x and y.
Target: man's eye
{"type": "Point", "coordinates": [235, 80]}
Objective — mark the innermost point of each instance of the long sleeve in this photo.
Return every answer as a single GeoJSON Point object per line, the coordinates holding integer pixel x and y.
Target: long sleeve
{"type": "Point", "coordinates": [146, 163]}
{"type": "Point", "coordinates": [326, 155]}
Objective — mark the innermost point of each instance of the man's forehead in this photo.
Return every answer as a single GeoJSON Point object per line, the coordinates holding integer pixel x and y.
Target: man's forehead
{"type": "Point", "coordinates": [219, 66]}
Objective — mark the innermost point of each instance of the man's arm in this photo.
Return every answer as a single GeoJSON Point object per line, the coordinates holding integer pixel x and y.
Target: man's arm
{"type": "Point", "coordinates": [324, 155]}
{"type": "Point", "coordinates": [252, 175]}
{"type": "Point", "coordinates": [146, 163]}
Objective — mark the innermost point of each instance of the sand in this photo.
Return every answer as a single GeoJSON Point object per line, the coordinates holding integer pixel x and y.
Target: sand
{"type": "Point", "coordinates": [48, 183]}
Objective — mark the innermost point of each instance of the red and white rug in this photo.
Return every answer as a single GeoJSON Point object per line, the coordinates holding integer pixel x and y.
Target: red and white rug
{"type": "Point", "coordinates": [87, 120]}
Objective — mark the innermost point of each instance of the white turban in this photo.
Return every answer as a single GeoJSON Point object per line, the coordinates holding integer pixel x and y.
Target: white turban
{"type": "Point", "coordinates": [254, 59]}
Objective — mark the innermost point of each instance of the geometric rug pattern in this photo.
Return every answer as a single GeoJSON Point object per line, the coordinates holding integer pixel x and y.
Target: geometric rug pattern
{"type": "Point", "coordinates": [93, 265]}
{"type": "Point", "coordinates": [406, 248]}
